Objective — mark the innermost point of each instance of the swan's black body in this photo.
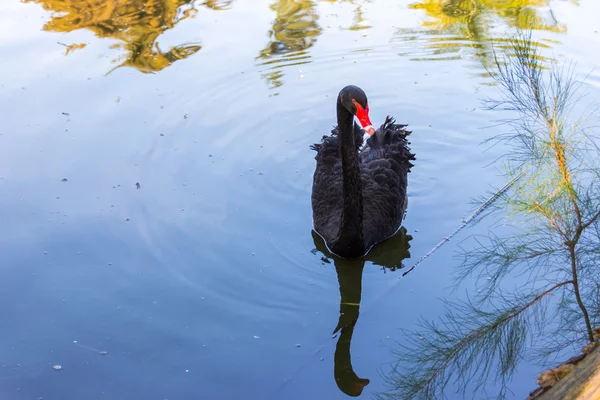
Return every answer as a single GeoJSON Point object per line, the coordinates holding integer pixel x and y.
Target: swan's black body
{"type": "Point", "coordinates": [359, 196]}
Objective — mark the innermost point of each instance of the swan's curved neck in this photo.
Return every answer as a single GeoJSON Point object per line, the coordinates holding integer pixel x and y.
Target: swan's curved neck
{"type": "Point", "coordinates": [350, 237]}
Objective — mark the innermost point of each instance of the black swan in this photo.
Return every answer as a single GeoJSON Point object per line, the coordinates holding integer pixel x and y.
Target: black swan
{"type": "Point", "coordinates": [359, 195]}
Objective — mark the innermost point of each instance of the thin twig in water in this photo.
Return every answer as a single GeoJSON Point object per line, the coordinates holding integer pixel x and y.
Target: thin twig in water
{"type": "Point", "coordinates": [465, 222]}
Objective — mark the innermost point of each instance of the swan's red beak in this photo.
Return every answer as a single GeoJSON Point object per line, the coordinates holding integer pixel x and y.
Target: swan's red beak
{"type": "Point", "coordinates": [363, 116]}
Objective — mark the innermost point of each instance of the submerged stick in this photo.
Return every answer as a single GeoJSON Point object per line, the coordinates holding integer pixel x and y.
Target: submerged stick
{"type": "Point", "coordinates": [465, 222]}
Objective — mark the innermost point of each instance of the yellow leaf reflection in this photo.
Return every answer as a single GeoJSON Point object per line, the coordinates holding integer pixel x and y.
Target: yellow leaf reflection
{"type": "Point", "coordinates": [137, 24]}
{"type": "Point", "coordinates": [72, 47]}
{"type": "Point", "coordinates": [359, 21]}
{"type": "Point", "coordinates": [294, 31]}
{"type": "Point", "coordinates": [218, 4]}
{"type": "Point", "coordinates": [458, 28]}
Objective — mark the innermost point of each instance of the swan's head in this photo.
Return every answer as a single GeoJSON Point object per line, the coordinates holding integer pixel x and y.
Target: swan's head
{"type": "Point", "coordinates": [354, 100]}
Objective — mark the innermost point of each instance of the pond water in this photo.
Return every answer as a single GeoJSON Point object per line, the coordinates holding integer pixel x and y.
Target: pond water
{"type": "Point", "coordinates": [155, 180]}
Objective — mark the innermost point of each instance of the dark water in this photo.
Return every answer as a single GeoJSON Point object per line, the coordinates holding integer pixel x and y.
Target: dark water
{"type": "Point", "coordinates": [205, 282]}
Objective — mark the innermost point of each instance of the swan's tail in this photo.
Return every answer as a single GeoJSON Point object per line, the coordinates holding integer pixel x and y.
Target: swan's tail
{"type": "Point", "coordinates": [390, 127]}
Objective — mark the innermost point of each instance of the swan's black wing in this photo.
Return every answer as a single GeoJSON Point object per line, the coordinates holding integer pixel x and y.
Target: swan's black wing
{"type": "Point", "coordinates": [327, 183]}
{"type": "Point", "coordinates": [385, 164]}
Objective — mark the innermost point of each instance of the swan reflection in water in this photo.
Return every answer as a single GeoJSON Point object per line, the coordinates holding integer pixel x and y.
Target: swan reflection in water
{"type": "Point", "coordinates": [388, 255]}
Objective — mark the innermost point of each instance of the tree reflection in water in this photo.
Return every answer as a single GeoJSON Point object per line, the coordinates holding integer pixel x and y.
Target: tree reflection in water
{"type": "Point", "coordinates": [137, 24]}
{"type": "Point", "coordinates": [452, 27]}
{"type": "Point", "coordinates": [455, 29]}
{"type": "Point", "coordinates": [295, 30]}
{"type": "Point", "coordinates": [389, 255]}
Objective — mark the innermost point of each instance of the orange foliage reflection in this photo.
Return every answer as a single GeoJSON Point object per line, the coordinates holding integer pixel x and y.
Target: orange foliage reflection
{"type": "Point", "coordinates": [135, 23]}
